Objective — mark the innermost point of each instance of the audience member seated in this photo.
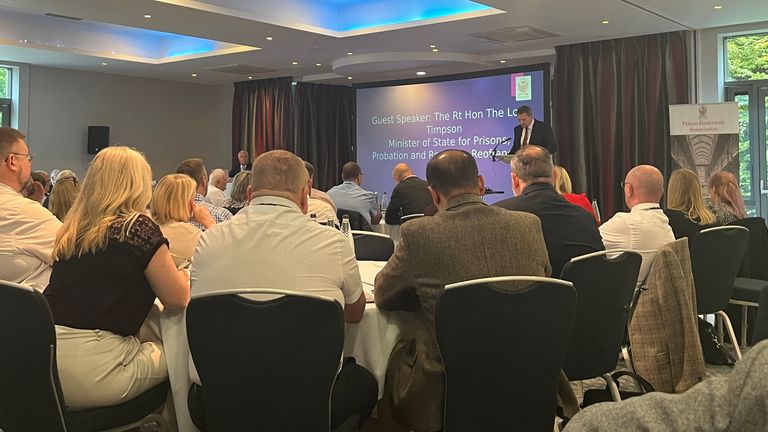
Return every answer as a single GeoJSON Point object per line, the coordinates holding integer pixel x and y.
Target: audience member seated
{"type": "Point", "coordinates": [173, 201]}
{"type": "Point", "coordinates": [195, 169]}
{"type": "Point", "coordinates": [727, 203]}
{"type": "Point", "coordinates": [351, 196]}
{"type": "Point", "coordinates": [317, 193]}
{"type": "Point", "coordinates": [111, 262]}
{"type": "Point", "coordinates": [238, 198]}
{"type": "Point", "coordinates": [37, 187]}
{"type": "Point", "coordinates": [568, 230]}
{"type": "Point", "coordinates": [466, 239]}
{"type": "Point", "coordinates": [27, 230]}
{"type": "Point", "coordinates": [217, 184]}
{"type": "Point", "coordinates": [244, 164]}
{"type": "Point", "coordinates": [410, 195]}
{"type": "Point", "coordinates": [686, 210]}
{"type": "Point", "coordinates": [735, 401]}
{"type": "Point", "coordinates": [63, 194]}
{"type": "Point", "coordinates": [258, 240]}
{"type": "Point", "coordinates": [645, 227]}
{"type": "Point", "coordinates": [564, 188]}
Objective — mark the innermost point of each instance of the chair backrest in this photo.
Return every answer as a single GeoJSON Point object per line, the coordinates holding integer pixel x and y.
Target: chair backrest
{"type": "Point", "coordinates": [410, 217]}
{"type": "Point", "coordinates": [30, 393]}
{"type": "Point", "coordinates": [356, 219]}
{"type": "Point", "coordinates": [372, 246]}
{"type": "Point", "coordinates": [753, 264]}
{"type": "Point", "coordinates": [716, 255]}
{"type": "Point", "coordinates": [503, 350]}
{"type": "Point", "coordinates": [604, 287]}
{"type": "Point", "coordinates": [268, 364]}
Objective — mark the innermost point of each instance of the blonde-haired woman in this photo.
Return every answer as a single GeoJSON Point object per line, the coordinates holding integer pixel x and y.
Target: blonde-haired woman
{"type": "Point", "coordinates": [727, 203]}
{"type": "Point", "coordinates": [63, 194]}
{"type": "Point", "coordinates": [238, 198]}
{"type": "Point", "coordinates": [110, 262]}
{"type": "Point", "coordinates": [686, 210]}
{"type": "Point", "coordinates": [173, 208]}
{"type": "Point", "coordinates": [564, 188]}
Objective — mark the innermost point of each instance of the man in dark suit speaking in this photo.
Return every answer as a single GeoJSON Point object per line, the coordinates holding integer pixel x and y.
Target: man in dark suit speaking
{"type": "Point", "coordinates": [532, 131]}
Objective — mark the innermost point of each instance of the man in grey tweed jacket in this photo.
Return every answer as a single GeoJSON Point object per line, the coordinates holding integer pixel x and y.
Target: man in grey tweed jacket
{"type": "Point", "coordinates": [466, 239]}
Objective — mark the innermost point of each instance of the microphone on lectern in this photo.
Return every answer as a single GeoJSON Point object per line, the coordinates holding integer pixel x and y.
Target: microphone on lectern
{"type": "Point", "coordinates": [493, 152]}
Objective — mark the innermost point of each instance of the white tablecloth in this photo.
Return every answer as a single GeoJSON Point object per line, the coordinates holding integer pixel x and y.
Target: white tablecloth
{"type": "Point", "coordinates": [370, 342]}
{"type": "Point", "coordinates": [393, 231]}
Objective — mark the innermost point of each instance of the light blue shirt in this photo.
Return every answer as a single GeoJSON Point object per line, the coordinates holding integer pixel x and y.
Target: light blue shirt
{"type": "Point", "coordinates": [350, 196]}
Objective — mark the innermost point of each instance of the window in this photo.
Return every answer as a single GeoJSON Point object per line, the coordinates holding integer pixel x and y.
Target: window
{"type": "Point", "coordinates": [5, 96]}
{"type": "Point", "coordinates": [746, 57]}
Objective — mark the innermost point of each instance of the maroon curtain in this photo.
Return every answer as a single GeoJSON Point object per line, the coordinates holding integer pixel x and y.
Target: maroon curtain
{"type": "Point", "coordinates": [611, 103]}
{"type": "Point", "coordinates": [262, 116]}
{"type": "Point", "coordinates": [325, 119]}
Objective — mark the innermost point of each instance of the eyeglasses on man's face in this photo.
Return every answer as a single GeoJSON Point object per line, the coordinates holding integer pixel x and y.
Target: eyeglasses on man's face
{"type": "Point", "coordinates": [29, 156]}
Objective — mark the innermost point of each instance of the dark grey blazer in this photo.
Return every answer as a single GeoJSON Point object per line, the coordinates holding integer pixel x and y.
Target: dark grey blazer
{"type": "Point", "coordinates": [469, 240]}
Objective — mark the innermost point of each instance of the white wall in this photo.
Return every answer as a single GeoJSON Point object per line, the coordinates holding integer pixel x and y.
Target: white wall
{"type": "Point", "coordinates": [709, 62]}
{"type": "Point", "coordinates": [168, 121]}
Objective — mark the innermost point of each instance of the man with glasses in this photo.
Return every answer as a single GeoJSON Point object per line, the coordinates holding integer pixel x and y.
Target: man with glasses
{"type": "Point", "coordinates": [27, 230]}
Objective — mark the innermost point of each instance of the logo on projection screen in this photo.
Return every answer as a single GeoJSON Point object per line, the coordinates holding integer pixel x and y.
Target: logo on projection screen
{"type": "Point", "coordinates": [522, 88]}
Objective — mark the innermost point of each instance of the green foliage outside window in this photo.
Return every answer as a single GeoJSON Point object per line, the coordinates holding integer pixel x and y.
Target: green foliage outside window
{"type": "Point", "coordinates": [4, 81]}
{"type": "Point", "coordinates": [745, 166]}
{"type": "Point", "coordinates": [747, 57]}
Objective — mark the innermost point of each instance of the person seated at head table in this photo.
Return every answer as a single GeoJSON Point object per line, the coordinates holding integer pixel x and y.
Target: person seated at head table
{"type": "Point", "coordinates": [686, 210]}
{"type": "Point", "coordinates": [173, 208]}
{"type": "Point", "coordinates": [111, 263]}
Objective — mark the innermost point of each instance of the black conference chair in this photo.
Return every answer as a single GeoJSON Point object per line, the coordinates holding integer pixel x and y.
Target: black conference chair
{"type": "Point", "coordinates": [356, 220]}
{"type": "Point", "coordinates": [503, 350]}
{"type": "Point", "coordinates": [605, 287]}
{"type": "Point", "coordinates": [716, 255]}
{"type": "Point", "coordinates": [752, 278]}
{"type": "Point", "coordinates": [761, 322]}
{"type": "Point", "coordinates": [30, 392]}
{"type": "Point", "coordinates": [410, 217]}
{"type": "Point", "coordinates": [372, 246]}
{"type": "Point", "coordinates": [268, 365]}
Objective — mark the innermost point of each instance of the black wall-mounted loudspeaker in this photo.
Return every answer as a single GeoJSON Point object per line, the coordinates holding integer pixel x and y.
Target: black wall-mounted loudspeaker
{"type": "Point", "coordinates": [98, 138]}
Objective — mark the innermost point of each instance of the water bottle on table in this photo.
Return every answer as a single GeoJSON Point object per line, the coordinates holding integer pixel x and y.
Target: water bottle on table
{"type": "Point", "coordinates": [346, 229]}
{"type": "Point", "coordinates": [384, 203]}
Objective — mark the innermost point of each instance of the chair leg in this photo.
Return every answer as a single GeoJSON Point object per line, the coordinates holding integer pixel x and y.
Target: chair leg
{"type": "Point", "coordinates": [627, 358]}
{"type": "Point", "coordinates": [731, 333]}
{"type": "Point", "coordinates": [614, 389]}
{"type": "Point", "coordinates": [719, 327]}
{"type": "Point", "coordinates": [744, 326]}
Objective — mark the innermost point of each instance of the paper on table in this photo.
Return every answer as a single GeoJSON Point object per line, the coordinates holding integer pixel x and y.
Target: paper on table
{"type": "Point", "coordinates": [368, 272]}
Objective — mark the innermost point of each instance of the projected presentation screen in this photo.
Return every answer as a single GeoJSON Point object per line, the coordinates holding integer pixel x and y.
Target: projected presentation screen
{"type": "Point", "coordinates": [412, 122]}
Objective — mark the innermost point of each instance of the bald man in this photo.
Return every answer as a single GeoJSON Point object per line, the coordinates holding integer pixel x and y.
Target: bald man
{"type": "Point", "coordinates": [410, 195]}
{"type": "Point", "coordinates": [645, 227]}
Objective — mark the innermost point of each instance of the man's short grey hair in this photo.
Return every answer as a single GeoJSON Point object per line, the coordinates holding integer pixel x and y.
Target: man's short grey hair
{"type": "Point", "coordinates": [532, 163]}
{"type": "Point", "coordinates": [217, 175]}
{"type": "Point", "coordinates": [279, 171]}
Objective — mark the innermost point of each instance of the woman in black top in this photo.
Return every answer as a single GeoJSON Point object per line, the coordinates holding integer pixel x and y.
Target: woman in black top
{"type": "Point", "coordinates": [686, 209]}
{"type": "Point", "coordinates": [111, 261]}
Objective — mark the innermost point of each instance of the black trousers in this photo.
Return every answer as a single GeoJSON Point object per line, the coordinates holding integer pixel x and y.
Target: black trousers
{"type": "Point", "coordinates": [354, 392]}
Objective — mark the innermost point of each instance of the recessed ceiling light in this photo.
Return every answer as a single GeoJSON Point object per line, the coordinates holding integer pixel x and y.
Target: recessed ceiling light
{"type": "Point", "coordinates": [435, 50]}
{"type": "Point", "coordinates": [502, 61]}
{"type": "Point", "coordinates": [147, 16]}
{"type": "Point", "coordinates": [350, 53]}
{"type": "Point", "coordinates": [294, 63]}
{"type": "Point", "coordinates": [269, 37]}
{"type": "Point", "coordinates": [250, 77]}
{"type": "Point", "coordinates": [718, 6]}
{"type": "Point", "coordinates": [104, 63]}
{"type": "Point", "coordinates": [318, 64]}
{"type": "Point", "coordinates": [433, 46]}
{"type": "Point", "coordinates": [349, 78]}
{"type": "Point", "coordinates": [194, 74]}
{"type": "Point", "coordinates": [605, 21]}
{"type": "Point", "coordinates": [421, 73]}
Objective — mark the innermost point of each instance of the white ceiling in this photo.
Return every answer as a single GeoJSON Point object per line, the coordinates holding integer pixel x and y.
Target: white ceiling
{"type": "Point", "coordinates": [395, 52]}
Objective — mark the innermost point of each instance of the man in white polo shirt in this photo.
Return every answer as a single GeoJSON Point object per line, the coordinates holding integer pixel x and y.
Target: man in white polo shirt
{"type": "Point", "coordinates": [27, 230]}
{"type": "Point", "coordinates": [258, 241]}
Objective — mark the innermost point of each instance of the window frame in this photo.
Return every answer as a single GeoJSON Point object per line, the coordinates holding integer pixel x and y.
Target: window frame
{"type": "Point", "coordinates": [6, 103]}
